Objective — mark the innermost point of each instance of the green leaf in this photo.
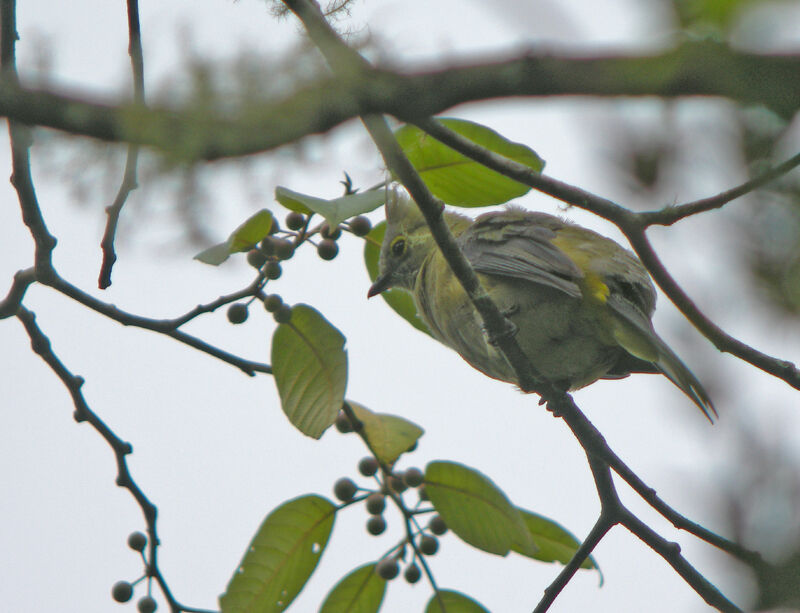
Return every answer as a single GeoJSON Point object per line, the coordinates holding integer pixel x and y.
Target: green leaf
{"type": "Point", "coordinates": [243, 238]}
{"type": "Point", "coordinates": [457, 179]}
{"type": "Point", "coordinates": [475, 509]}
{"type": "Point", "coordinates": [361, 591]}
{"type": "Point", "coordinates": [400, 301]}
{"type": "Point", "coordinates": [388, 435]}
{"type": "Point", "coordinates": [309, 366]}
{"type": "Point", "coordinates": [334, 211]}
{"type": "Point", "coordinates": [454, 602]}
{"type": "Point", "coordinates": [281, 557]}
{"type": "Point", "coordinates": [555, 543]}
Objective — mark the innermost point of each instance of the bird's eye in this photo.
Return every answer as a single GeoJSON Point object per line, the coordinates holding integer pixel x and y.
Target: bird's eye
{"type": "Point", "coordinates": [398, 246]}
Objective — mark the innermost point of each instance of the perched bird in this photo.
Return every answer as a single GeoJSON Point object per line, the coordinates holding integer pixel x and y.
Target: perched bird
{"type": "Point", "coordinates": [580, 303]}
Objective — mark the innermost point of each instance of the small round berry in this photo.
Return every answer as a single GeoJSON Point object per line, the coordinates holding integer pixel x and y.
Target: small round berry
{"type": "Point", "coordinates": [413, 477]}
{"type": "Point", "coordinates": [344, 489]}
{"type": "Point", "coordinates": [388, 568]}
{"type": "Point", "coordinates": [272, 270]}
{"type": "Point", "coordinates": [295, 220]}
{"type": "Point", "coordinates": [237, 313]}
{"type": "Point", "coordinates": [147, 604]}
{"type": "Point", "coordinates": [396, 483]}
{"type": "Point", "coordinates": [375, 503]}
{"type": "Point", "coordinates": [272, 302]}
{"type": "Point", "coordinates": [267, 246]}
{"type": "Point", "coordinates": [283, 249]}
{"type": "Point", "coordinates": [283, 315]}
{"type": "Point", "coordinates": [412, 573]}
{"type": "Point", "coordinates": [437, 525]}
{"type": "Point", "coordinates": [376, 525]}
{"type": "Point", "coordinates": [360, 226]}
{"type": "Point", "coordinates": [327, 249]}
{"type": "Point", "coordinates": [332, 234]}
{"type": "Point", "coordinates": [255, 258]}
{"type": "Point", "coordinates": [428, 545]}
{"type": "Point", "coordinates": [368, 466]}
{"type": "Point", "coordinates": [343, 423]}
{"type": "Point", "coordinates": [137, 541]}
{"type": "Point", "coordinates": [122, 591]}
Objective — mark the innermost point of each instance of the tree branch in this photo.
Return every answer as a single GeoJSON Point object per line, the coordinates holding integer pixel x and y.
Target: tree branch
{"type": "Point", "coordinates": [691, 69]}
{"type": "Point", "coordinates": [129, 181]}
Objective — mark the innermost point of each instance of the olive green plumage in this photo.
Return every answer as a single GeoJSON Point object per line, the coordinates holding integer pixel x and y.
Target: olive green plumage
{"type": "Point", "coordinates": [581, 304]}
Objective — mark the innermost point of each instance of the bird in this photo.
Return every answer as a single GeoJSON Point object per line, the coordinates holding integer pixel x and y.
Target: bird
{"type": "Point", "coordinates": [579, 304]}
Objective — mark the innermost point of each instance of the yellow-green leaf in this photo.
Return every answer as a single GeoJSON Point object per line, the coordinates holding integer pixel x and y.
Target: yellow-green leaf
{"type": "Point", "coordinates": [388, 435]}
{"type": "Point", "coordinates": [555, 543]}
{"type": "Point", "coordinates": [243, 238]}
{"type": "Point", "coordinates": [475, 509]}
{"type": "Point", "coordinates": [454, 602]}
{"type": "Point", "coordinates": [281, 557]}
{"type": "Point", "coordinates": [336, 210]}
{"type": "Point", "coordinates": [457, 179]}
{"type": "Point", "coordinates": [309, 366]}
{"type": "Point", "coordinates": [361, 591]}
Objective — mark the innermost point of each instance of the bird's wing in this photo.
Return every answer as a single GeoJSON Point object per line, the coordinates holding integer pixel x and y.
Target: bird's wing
{"type": "Point", "coordinates": [511, 244]}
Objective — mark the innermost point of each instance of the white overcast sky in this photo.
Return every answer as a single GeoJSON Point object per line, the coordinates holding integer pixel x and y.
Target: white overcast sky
{"type": "Point", "coordinates": [211, 446]}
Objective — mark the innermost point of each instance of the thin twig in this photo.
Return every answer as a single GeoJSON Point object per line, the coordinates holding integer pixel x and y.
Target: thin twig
{"type": "Point", "coordinates": [670, 215]}
{"type": "Point", "coordinates": [129, 181]}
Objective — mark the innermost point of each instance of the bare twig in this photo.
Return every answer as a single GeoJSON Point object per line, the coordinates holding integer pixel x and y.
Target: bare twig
{"type": "Point", "coordinates": [129, 181]}
{"type": "Point", "coordinates": [83, 413]}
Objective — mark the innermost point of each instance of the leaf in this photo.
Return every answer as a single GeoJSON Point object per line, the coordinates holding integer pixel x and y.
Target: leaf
{"type": "Point", "coordinates": [243, 238]}
{"type": "Point", "coordinates": [457, 179]}
{"type": "Point", "coordinates": [555, 543]}
{"type": "Point", "coordinates": [361, 591]}
{"type": "Point", "coordinates": [475, 509]}
{"type": "Point", "coordinates": [388, 435]}
{"type": "Point", "coordinates": [281, 557]}
{"type": "Point", "coordinates": [309, 365]}
{"type": "Point", "coordinates": [454, 602]}
{"type": "Point", "coordinates": [334, 211]}
{"type": "Point", "coordinates": [400, 301]}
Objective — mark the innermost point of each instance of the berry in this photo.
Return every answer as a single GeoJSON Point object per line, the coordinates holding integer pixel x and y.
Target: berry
{"type": "Point", "coordinates": [272, 270]}
{"type": "Point", "coordinates": [237, 313]}
{"type": "Point", "coordinates": [122, 591]}
{"type": "Point", "coordinates": [360, 226]}
{"type": "Point", "coordinates": [343, 423]}
{"type": "Point", "coordinates": [283, 315]}
{"type": "Point", "coordinates": [283, 249]}
{"type": "Point", "coordinates": [412, 573]}
{"type": "Point", "coordinates": [428, 545]}
{"type": "Point", "coordinates": [388, 568]}
{"type": "Point", "coordinates": [396, 483]}
{"type": "Point", "coordinates": [273, 302]}
{"type": "Point", "coordinates": [267, 246]}
{"type": "Point", "coordinates": [376, 525]}
{"type": "Point", "coordinates": [437, 525]}
{"type": "Point", "coordinates": [368, 466]}
{"type": "Point", "coordinates": [295, 220]}
{"type": "Point", "coordinates": [332, 234]}
{"type": "Point", "coordinates": [146, 604]}
{"type": "Point", "coordinates": [344, 489]}
{"type": "Point", "coordinates": [255, 258]}
{"type": "Point", "coordinates": [376, 503]}
{"type": "Point", "coordinates": [327, 249]}
{"type": "Point", "coordinates": [137, 541]}
{"type": "Point", "coordinates": [413, 477]}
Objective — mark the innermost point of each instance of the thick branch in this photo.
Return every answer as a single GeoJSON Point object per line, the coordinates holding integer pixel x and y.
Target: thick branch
{"type": "Point", "coordinates": [692, 69]}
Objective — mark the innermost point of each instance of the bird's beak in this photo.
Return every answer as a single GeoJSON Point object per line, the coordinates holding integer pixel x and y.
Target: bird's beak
{"type": "Point", "coordinates": [381, 285]}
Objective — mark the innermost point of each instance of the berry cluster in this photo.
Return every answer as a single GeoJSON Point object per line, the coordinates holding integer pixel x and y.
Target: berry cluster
{"type": "Point", "coordinates": [281, 245]}
{"type": "Point", "coordinates": [123, 590]}
{"type": "Point", "coordinates": [392, 484]}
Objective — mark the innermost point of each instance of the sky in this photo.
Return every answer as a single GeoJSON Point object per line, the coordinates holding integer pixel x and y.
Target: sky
{"type": "Point", "coordinates": [212, 448]}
